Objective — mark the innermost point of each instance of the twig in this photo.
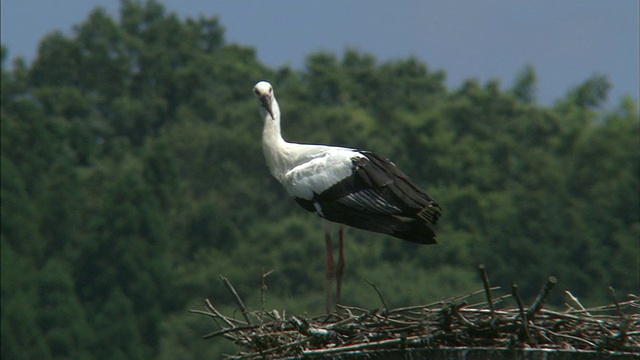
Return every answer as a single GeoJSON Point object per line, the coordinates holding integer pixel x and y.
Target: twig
{"type": "Point", "coordinates": [565, 336]}
{"type": "Point", "coordinates": [237, 297]}
{"type": "Point", "coordinates": [487, 289]}
{"type": "Point", "coordinates": [523, 315]}
{"type": "Point", "coordinates": [386, 308]}
{"type": "Point", "coordinates": [542, 296]}
{"type": "Point", "coordinates": [228, 330]}
{"type": "Point", "coordinates": [495, 301]}
{"type": "Point", "coordinates": [263, 287]}
{"type": "Point", "coordinates": [351, 319]}
{"type": "Point", "coordinates": [621, 337]}
{"type": "Point", "coordinates": [206, 313]}
{"type": "Point", "coordinates": [612, 293]}
{"type": "Point", "coordinates": [463, 319]}
{"type": "Point", "coordinates": [354, 347]}
{"type": "Point", "coordinates": [218, 314]}
{"type": "Point", "coordinates": [453, 299]}
{"type": "Point", "coordinates": [577, 302]}
{"type": "Point", "coordinates": [564, 315]}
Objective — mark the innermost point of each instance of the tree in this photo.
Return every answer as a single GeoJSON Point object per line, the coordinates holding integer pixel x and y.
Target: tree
{"type": "Point", "coordinates": [524, 88]}
{"type": "Point", "coordinates": [60, 314]}
{"type": "Point", "coordinates": [22, 338]}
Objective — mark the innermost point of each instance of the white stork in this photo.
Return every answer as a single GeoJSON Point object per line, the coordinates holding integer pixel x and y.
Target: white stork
{"type": "Point", "coordinates": [345, 186]}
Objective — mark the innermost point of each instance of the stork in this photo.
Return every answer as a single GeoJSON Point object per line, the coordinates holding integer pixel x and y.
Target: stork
{"type": "Point", "coordinates": [345, 186]}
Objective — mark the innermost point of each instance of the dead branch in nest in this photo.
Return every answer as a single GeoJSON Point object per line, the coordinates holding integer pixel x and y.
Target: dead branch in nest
{"type": "Point", "coordinates": [487, 289]}
{"type": "Point", "coordinates": [448, 323]}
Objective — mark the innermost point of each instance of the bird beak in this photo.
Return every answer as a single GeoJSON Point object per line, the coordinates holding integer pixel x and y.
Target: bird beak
{"type": "Point", "coordinates": [266, 104]}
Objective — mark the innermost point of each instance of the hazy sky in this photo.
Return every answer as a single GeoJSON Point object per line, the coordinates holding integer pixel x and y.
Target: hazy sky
{"type": "Point", "coordinates": [566, 41]}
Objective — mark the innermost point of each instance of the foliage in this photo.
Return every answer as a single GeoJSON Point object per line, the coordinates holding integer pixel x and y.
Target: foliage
{"type": "Point", "coordinates": [132, 176]}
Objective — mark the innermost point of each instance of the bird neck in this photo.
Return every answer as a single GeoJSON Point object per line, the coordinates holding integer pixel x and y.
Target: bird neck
{"type": "Point", "coordinates": [275, 148]}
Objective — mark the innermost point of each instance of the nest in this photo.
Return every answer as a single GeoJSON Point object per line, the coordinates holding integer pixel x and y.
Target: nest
{"type": "Point", "coordinates": [451, 323]}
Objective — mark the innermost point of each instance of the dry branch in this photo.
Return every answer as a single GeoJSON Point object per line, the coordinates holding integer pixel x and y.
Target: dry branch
{"type": "Point", "coordinates": [243, 308]}
{"type": "Point", "coordinates": [546, 290]}
{"type": "Point", "coordinates": [523, 314]}
{"type": "Point", "coordinates": [487, 289]}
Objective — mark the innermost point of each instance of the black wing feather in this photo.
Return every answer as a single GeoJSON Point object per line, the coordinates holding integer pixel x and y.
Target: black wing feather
{"type": "Point", "coordinates": [379, 197]}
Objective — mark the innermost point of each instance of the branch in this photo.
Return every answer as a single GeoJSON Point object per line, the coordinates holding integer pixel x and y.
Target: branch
{"type": "Point", "coordinates": [353, 347]}
{"type": "Point", "coordinates": [218, 314]}
{"type": "Point", "coordinates": [537, 305]}
{"type": "Point", "coordinates": [237, 297]}
{"type": "Point", "coordinates": [386, 308]}
{"type": "Point", "coordinates": [523, 315]}
{"type": "Point", "coordinates": [577, 302]}
{"type": "Point", "coordinates": [487, 289]}
{"type": "Point", "coordinates": [263, 288]}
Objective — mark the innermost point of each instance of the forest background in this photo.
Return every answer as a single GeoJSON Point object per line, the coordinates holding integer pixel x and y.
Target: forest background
{"type": "Point", "coordinates": [132, 177]}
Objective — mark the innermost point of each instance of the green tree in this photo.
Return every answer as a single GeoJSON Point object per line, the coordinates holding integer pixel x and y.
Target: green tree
{"type": "Point", "coordinates": [22, 338]}
{"type": "Point", "coordinates": [127, 251]}
{"type": "Point", "coordinates": [61, 316]}
{"type": "Point", "coordinates": [524, 88]}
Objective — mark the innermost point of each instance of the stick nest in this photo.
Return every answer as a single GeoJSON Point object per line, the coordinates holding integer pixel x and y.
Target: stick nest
{"type": "Point", "coordinates": [450, 323]}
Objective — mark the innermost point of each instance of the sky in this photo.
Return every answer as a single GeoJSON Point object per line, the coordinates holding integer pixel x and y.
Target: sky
{"type": "Point", "coordinates": [565, 41]}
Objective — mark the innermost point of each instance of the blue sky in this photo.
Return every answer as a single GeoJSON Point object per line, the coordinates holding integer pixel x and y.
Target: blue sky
{"type": "Point", "coordinates": [566, 41]}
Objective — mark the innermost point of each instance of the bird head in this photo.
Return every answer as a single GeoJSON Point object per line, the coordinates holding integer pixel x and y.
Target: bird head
{"type": "Point", "coordinates": [264, 93]}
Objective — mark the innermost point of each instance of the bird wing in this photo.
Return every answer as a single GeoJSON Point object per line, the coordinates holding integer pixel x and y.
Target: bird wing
{"type": "Point", "coordinates": [377, 186]}
{"type": "Point", "coordinates": [366, 191]}
{"type": "Point", "coordinates": [319, 172]}
{"type": "Point", "coordinates": [379, 197]}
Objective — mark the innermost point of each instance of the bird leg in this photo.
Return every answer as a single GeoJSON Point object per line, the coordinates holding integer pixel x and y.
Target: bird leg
{"type": "Point", "coordinates": [340, 268]}
{"type": "Point", "coordinates": [329, 272]}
